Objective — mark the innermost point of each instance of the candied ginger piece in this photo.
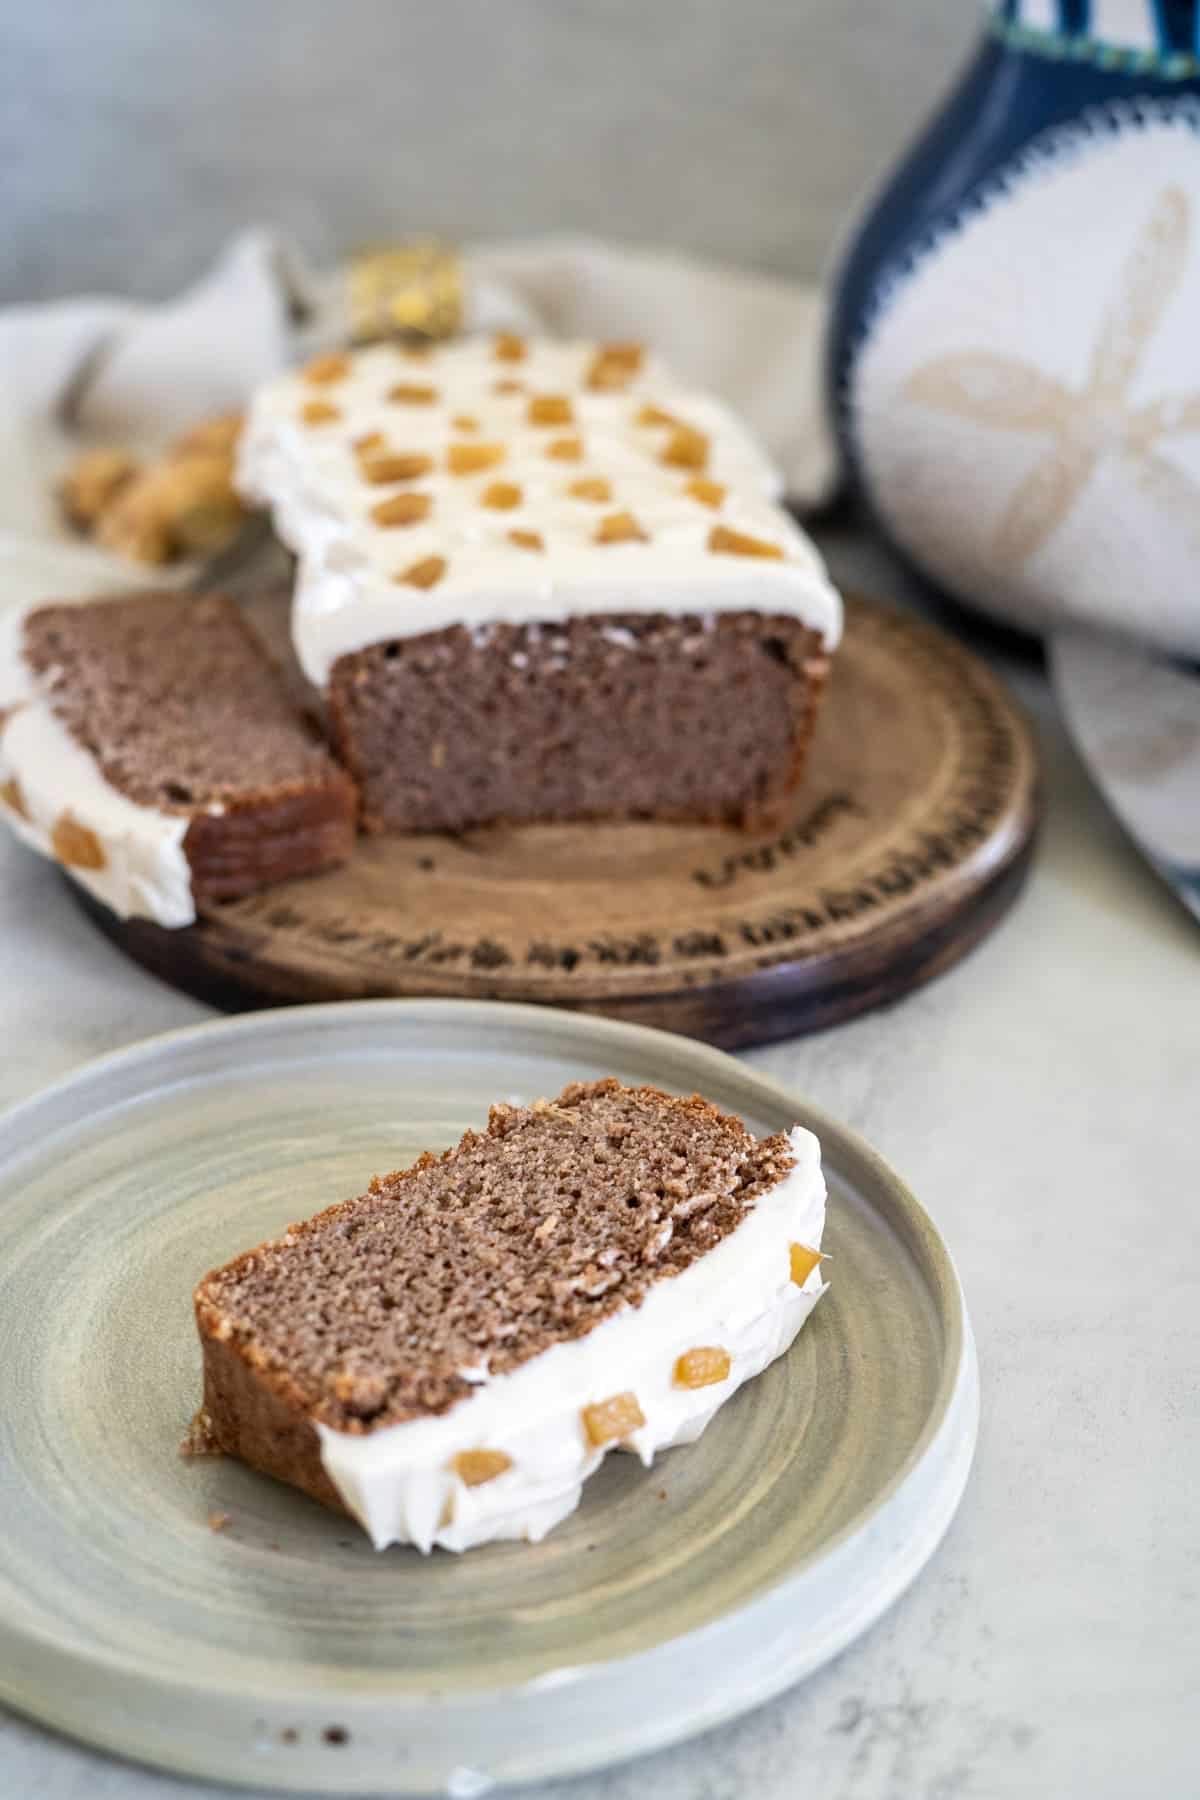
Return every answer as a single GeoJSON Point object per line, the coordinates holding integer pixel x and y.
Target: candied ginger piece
{"type": "Point", "coordinates": [702, 1367]}
{"type": "Point", "coordinates": [550, 409]}
{"type": "Point", "coordinates": [76, 846]}
{"type": "Point", "coordinates": [469, 459]}
{"type": "Point", "coordinates": [333, 367]}
{"type": "Point", "coordinates": [686, 448]}
{"type": "Point", "coordinates": [620, 528]}
{"type": "Point", "coordinates": [607, 1420]}
{"type": "Point", "coordinates": [614, 366]}
{"type": "Point", "coordinates": [424, 574]}
{"type": "Point", "coordinates": [803, 1262]}
{"type": "Point", "coordinates": [474, 1467]}
{"type": "Point", "coordinates": [501, 496]}
{"type": "Point", "coordinates": [402, 509]}
{"type": "Point", "coordinates": [395, 465]}
{"type": "Point", "coordinates": [739, 543]}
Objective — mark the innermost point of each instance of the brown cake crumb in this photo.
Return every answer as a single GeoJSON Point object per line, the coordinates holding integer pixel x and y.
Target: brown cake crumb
{"type": "Point", "coordinates": [198, 1439]}
{"type": "Point", "coordinates": [217, 1521]}
{"type": "Point", "coordinates": [527, 1234]}
{"type": "Point", "coordinates": [182, 710]}
{"type": "Point", "coordinates": [628, 715]}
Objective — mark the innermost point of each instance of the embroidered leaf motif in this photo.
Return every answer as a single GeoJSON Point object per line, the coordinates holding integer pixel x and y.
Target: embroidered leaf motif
{"type": "Point", "coordinates": [1043, 500]}
{"type": "Point", "coordinates": [990, 389]}
{"type": "Point", "coordinates": [1149, 277]}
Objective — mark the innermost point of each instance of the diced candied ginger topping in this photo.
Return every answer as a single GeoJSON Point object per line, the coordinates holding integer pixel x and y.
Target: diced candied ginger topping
{"type": "Point", "coordinates": [474, 1467]}
{"type": "Point", "coordinates": [465, 422]}
{"type": "Point", "coordinates": [319, 412]}
{"type": "Point", "coordinates": [609, 1420]}
{"type": "Point", "coordinates": [620, 528]}
{"type": "Point", "coordinates": [590, 487]}
{"type": "Point", "coordinates": [527, 540]}
{"type": "Point", "coordinates": [395, 465]}
{"type": "Point", "coordinates": [565, 449]}
{"type": "Point", "coordinates": [468, 459]}
{"type": "Point", "coordinates": [739, 543]}
{"type": "Point", "coordinates": [76, 846]}
{"type": "Point", "coordinates": [508, 347]}
{"type": "Point", "coordinates": [803, 1262]}
{"type": "Point", "coordinates": [334, 367]}
{"type": "Point", "coordinates": [412, 393]}
{"type": "Point", "coordinates": [508, 386]}
{"type": "Point", "coordinates": [424, 574]}
{"type": "Point", "coordinates": [614, 366]}
{"type": "Point", "coordinates": [686, 448]}
{"type": "Point", "coordinates": [502, 496]}
{"type": "Point", "coordinates": [13, 798]}
{"type": "Point", "coordinates": [402, 509]}
{"type": "Point", "coordinates": [550, 409]}
{"type": "Point", "coordinates": [708, 493]}
{"type": "Point", "coordinates": [702, 1367]}
{"type": "Point", "coordinates": [654, 415]}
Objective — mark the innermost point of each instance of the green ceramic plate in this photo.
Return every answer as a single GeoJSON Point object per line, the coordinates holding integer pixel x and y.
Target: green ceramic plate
{"type": "Point", "coordinates": [282, 1650]}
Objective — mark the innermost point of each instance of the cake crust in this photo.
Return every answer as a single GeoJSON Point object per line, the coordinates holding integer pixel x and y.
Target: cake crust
{"type": "Point", "coordinates": [530, 1233]}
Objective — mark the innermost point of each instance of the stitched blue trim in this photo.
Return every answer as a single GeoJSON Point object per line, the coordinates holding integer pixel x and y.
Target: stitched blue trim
{"type": "Point", "coordinates": [1166, 64]}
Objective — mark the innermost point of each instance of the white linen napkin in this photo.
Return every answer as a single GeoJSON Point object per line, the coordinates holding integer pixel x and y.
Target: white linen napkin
{"type": "Point", "coordinates": [95, 369]}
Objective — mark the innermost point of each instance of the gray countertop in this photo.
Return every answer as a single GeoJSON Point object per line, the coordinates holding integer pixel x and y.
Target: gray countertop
{"type": "Point", "coordinates": [1039, 1099]}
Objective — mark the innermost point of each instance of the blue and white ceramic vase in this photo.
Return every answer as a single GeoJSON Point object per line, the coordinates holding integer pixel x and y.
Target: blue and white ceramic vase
{"type": "Point", "coordinates": [1014, 357]}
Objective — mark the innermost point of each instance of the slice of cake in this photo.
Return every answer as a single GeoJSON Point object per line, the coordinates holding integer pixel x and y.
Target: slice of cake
{"type": "Point", "coordinates": [542, 580]}
{"type": "Point", "coordinates": [448, 1356]}
{"type": "Point", "coordinates": [150, 745]}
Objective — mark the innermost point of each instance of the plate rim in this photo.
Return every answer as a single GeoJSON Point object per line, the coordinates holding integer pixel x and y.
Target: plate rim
{"type": "Point", "coordinates": [957, 1388]}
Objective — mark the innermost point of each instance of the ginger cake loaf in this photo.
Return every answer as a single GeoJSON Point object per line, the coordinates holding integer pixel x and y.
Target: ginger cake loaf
{"type": "Point", "coordinates": [149, 744]}
{"type": "Point", "coordinates": [449, 1356]}
{"type": "Point", "coordinates": [542, 580]}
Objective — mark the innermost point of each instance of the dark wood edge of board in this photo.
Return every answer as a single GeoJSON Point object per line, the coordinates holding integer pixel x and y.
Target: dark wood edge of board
{"type": "Point", "coordinates": [788, 999]}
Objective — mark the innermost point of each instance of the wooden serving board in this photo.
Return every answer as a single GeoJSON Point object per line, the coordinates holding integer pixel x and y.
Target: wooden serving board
{"type": "Point", "coordinates": [909, 840]}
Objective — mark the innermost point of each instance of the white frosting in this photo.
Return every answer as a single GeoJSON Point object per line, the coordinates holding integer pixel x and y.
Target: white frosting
{"type": "Point", "coordinates": [145, 873]}
{"type": "Point", "coordinates": [347, 595]}
{"type": "Point", "coordinates": [739, 1297]}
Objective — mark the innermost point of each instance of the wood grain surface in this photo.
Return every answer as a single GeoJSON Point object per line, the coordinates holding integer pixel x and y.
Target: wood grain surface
{"type": "Point", "coordinates": [909, 840]}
